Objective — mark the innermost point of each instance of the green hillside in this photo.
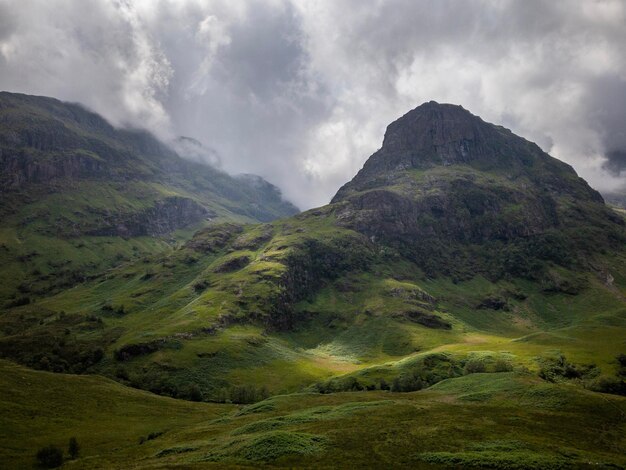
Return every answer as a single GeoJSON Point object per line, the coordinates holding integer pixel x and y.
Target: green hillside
{"type": "Point", "coordinates": [79, 196]}
{"type": "Point", "coordinates": [461, 302]}
{"type": "Point", "coordinates": [291, 304]}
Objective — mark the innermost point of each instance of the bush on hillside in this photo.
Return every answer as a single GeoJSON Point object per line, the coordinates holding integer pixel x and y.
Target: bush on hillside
{"type": "Point", "coordinates": [621, 362]}
{"type": "Point", "coordinates": [50, 457]}
{"type": "Point", "coordinates": [73, 448]}
{"type": "Point", "coordinates": [474, 366]}
{"type": "Point", "coordinates": [244, 394]}
{"type": "Point", "coordinates": [194, 393]}
{"type": "Point", "coordinates": [407, 383]}
{"type": "Point", "coordinates": [607, 384]}
{"type": "Point", "coordinates": [555, 369]}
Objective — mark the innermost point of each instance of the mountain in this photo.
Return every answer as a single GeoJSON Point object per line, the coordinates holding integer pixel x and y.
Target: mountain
{"type": "Point", "coordinates": [79, 195]}
{"type": "Point", "coordinates": [461, 260]}
{"type": "Point", "coordinates": [457, 184]}
{"type": "Point", "coordinates": [454, 225]}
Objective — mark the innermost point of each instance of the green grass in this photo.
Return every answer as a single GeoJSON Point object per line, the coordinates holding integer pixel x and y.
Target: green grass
{"type": "Point", "coordinates": [518, 422]}
{"type": "Point", "coordinates": [352, 325]}
{"type": "Point", "coordinates": [108, 419]}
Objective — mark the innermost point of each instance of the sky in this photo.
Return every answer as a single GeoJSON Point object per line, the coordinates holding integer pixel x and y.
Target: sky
{"type": "Point", "coordinates": [301, 91]}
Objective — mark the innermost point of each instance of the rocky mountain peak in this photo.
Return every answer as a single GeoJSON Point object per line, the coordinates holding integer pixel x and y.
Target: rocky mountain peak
{"type": "Point", "coordinates": [445, 135]}
{"type": "Point", "coordinates": [444, 179]}
{"type": "Point", "coordinates": [437, 130]}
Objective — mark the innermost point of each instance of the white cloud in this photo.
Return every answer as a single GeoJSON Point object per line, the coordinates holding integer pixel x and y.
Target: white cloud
{"type": "Point", "coordinates": [300, 91]}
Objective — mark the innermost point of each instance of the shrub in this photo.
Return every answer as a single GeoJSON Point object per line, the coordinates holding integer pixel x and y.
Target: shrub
{"type": "Point", "coordinates": [73, 448]}
{"type": "Point", "coordinates": [20, 301]}
{"type": "Point", "coordinates": [195, 394]}
{"type": "Point", "coordinates": [201, 286]}
{"type": "Point", "coordinates": [383, 384]}
{"type": "Point", "coordinates": [621, 362]}
{"type": "Point", "coordinates": [406, 383]}
{"type": "Point", "coordinates": [50, 457]}
{"type": "Point", "coordinates": [554, 369]}
{"type": "Point", "coordinates": [606, 384]}
{"type": "Point", "coordinates": [502, 365]}
{"type": "Point", "coordinates": [244, 394]}
{"type": "Point", "coordinates": [474, 366]}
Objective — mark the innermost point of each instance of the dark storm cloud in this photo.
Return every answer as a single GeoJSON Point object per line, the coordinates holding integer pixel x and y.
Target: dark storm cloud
{"type": "Point", "coordinates": [301, 91]}
{"type": "Point", "coordinates": [607, 114]}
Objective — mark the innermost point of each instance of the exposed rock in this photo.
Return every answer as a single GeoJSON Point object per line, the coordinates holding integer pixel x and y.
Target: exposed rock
{"type": "Point", "coordinates": [426, 319]}
{"type": "Point", "coordinates": [164, 217]}
{"type": "Point", "coordinates": [254, 240]}
{"type": "Point", "coordinates": [232, 264]}
{"type": "Point", "coordinates": [18, 170]}
{"type": "Point", "coordinates": [445, 184]}
{"type": "Point", "coordinates": [557, 283]}
{"type": "Point", "coordinates": [213, 238]}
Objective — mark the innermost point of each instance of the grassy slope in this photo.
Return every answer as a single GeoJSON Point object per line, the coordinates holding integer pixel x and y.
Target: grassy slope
{"type": "Point", "coordinates": [38, 408]}
{"type": "Point", "coordinates": [497, 420]}
{"type": "Point", "coordinates": [45, 220]}
{"type": "Point", "coordinates": [354, 326]}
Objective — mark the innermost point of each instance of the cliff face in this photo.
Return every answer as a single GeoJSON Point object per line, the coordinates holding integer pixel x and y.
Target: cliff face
{"type": "Point", "coordinates": [164, 217]}
{"type": "Point", "coordinates": [18, 169]}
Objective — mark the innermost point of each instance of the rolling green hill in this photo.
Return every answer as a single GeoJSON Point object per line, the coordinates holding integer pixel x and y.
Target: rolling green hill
{"type": "Point", "coordinates": [502, 420]}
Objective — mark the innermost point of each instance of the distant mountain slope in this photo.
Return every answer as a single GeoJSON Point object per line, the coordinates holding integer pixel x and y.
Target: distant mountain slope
{"type": "Point", "coordinates": [78, 195]}
{"type": "Point", "coordinates": [616, 198]}
{"type": "Point", "coordinates": [457, 242]}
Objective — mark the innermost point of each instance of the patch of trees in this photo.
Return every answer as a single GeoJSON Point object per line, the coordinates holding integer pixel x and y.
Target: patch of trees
{"type": "Point", "coordinates": [244, 394]}
{"type": "Point", "coordinates": [153, 435]}
{"type": "Point", "coordinates": [19, 302]}
{"type": "Point", "coordinates": [424, 373]}
{"type": "Point", "coordinates": [615, 385]}
{"type": "Point", "coordinates": [158, 381]}
{"type": "Point", "coordinates": [109, 309]}
{"type": "Point", "coordinates": [558, 368]}
{"type": "Point", "coordinates": [311, 264]}
{"type": "Point", "coordinates": [54, 347]}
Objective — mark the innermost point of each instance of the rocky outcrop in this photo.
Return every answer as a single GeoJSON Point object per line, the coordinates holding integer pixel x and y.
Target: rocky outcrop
{"type": "Point", "coordinates": [444, 135]}
{"type": "Point", "coordinates": [458, 210]}
{"type": "Point", "coordinates": [18, 169]}
{"type": "Point", "coordinates": [232, 264]}
{"type": "Point", "coordinates": [164, 217]}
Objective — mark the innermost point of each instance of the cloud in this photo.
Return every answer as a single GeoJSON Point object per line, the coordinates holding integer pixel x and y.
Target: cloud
{"type": "Point", "coordinates": [93, 52]}
{"type": "Point", "coordinates": [300, 92]}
